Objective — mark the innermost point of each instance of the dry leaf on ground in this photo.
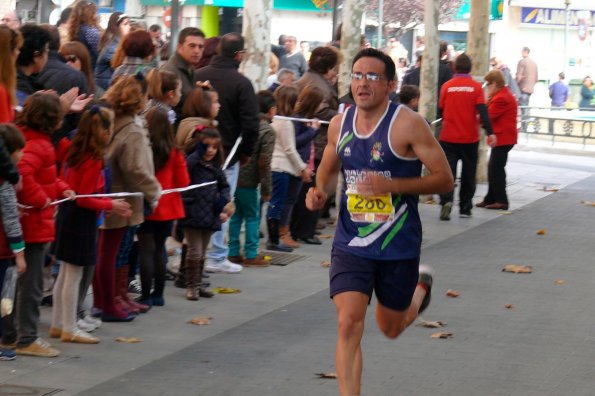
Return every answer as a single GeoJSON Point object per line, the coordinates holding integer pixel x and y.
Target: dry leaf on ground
{"type": "Point", "coordinates": [505, 212]}
{"type": "Point", "coordinates": [129, 340]}
{"type": "Point", "coordinates": [588, 203]}
{"type": "Point", "coordinates": [452, 293]}
{"type": "Point", "coordinates": [201, 320]}
{"type": "Point", "coordinates": [226, 290]}
{"type": "Point", "coordinates": [326, 236]}
{"type": "Point", "coordinates": [559, 282]}
{"type": "Point", "coordinates": [509, 306]}
{"type": "Point", "coordinates": [517, 269]}
{"type": "Point", "coordinates": [550, 189]}
{"type": "Point", "coordinates": [326, 263]}
{"type": "Point", "coordinates": [541, 232]}
{"type": "Point", "coordinates": [431, 325]}
{"type": "Point", "coordinates": [442, 335]}
{"type": "Point", "coordinates": [327, 375]}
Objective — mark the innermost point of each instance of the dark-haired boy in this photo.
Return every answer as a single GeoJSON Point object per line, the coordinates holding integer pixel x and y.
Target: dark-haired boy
{"type": "Point", "coordinates": [256, 172]}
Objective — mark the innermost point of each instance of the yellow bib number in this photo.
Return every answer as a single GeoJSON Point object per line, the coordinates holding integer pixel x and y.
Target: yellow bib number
{"type": "Point", "coordinates": [377, 209]}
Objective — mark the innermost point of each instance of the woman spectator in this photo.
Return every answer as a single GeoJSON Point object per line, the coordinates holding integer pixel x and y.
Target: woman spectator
{"type": "Point", "coordinates": [10, 45]}
{"type": "Point", "coordinates": [132, 170]}
{"type": "Point", "coordinates": [118, 27]}
{"type": "Point", "coordinates": [77, 57]}
{"type": "Point", "coordinates": [63, 25]}
{"type": "Point", "coordinates": [209, 52]}
{"type": "Point", "coordinates": [139, 49]}
{"type": "Point", "coordinates": [200, 109]}
{"type": "Point", "coordinates": [84, 27]}
{"type": "Point", "coordinates": [586, 94]}
{"type": "Point", "coordinates": [502, 109]}
{"type": "Point", "coordinates": [497, 64]}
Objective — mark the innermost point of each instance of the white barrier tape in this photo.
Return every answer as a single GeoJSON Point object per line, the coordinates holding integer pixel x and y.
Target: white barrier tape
{"type": "Point", "coordinates": [124, 194]}
{"type": "Point", "coordinates": [232, 152]}
{"type": "Point", "coordinates": [436, 121]}
{"type": "Point", "coordinates": [300, 119]}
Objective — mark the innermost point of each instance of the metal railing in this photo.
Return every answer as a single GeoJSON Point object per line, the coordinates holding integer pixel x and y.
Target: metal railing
{"type": "Point", "coordinates": [569, 125]}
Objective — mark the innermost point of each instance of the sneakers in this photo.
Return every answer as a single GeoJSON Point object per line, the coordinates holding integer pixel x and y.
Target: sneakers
{"type": "Point", "coordinates": [236, 259]}
{"type": "Point", "coordinates": [55, 332]}
{"type": "Point", "coordinates": [40, 348]}
{"type": "Point", "coordinates": [445, 211]}
{"type": "Point", "coordinates": [224, 266]}
{"type": "Point", "coordinates": [7, 354]}
{"type": "Point", "coordinates": [255, 262]}
{"type": "Point", "coordinates": [279, 247]}
{"type": "Point", "coordinates": [426, 278]}
{"type": "Point", "coordinates": [93, 321]}
{"type": "Point", "coordinates": [78, 336]}
{"type": "Point", "coordinates": [134, 287]}
{"type": "Point", "coordinates": [81, 324]}
{"type": "Point", "coordinates": [465, 213]}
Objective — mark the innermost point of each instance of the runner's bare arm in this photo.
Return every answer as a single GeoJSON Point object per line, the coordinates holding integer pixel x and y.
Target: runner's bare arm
{"type": "Point", "coordinates": [328, 171]}
{"type": "Point", "coordinates": [416, 134]}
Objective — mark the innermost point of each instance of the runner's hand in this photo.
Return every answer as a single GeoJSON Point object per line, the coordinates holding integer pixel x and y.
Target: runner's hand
{"type": "Point", "coordinates": [315, 199]}
{"type": "Point", "coordinates": [372, 185]}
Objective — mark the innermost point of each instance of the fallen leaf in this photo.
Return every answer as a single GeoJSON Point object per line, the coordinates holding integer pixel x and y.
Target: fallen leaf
{"type": "Point", "coordinates": [201, 320]}
{"type": "Point", "coordinates": [129, 340]}
{"type": "Point", "coordinates": [452, 293]}
{"type": "Point", "coordinates": [326, 263]}
{"type": "Point", "coordinates": [267, 258]}
{"type": "Point", "coordinates": [517, 269]}
{"type": "Point", "coordinates": [588, 203]}
{"type": "Point", "coordinates": [442, 335]}
{"type": "Point", "coordinates": [505, 212]}
{"type": "Point", "coordinates": [326, 236]}
{"type": "Point", "coordinates": [327, 375]}
{"type": "Point", "coordinates": [550, 189]}
{"type": "Point", "coordinates": [509, 306]}
{"type": "Point", "coordinates": [226, 290]}
{"type": "Point", "coordinates": [559, 281]}
{"type": "Point", "coordinates": [431, 325]}
{"type": "Point", "coordinates": [541, 232]}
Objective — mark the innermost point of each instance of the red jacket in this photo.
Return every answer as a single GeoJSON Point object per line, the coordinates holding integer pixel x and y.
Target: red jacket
{"type": "Point", "coordinates": [6, 109]}
{"type": "Point", "coordinates": [502, 108]}
{"type": "Point", "coordinates": [40, 182]}
{"type": "Point", "coordinates": [173, 175]}
{"type": "Point", "coordinates": [87, 178]}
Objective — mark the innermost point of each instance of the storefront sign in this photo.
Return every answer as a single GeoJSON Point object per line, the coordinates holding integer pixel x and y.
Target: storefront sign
{"type": "Point", "coordinates": [555, 17]}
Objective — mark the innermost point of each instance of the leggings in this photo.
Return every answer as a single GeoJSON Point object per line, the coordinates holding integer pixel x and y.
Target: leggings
{"type": "Point", "coordinates": [151, 248]}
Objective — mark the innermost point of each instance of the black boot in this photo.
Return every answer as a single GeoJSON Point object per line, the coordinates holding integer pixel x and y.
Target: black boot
{"type": "Point", "coordinates": [202, 290]}
{"type": "Point", "coordinates": [273, 243]}
{"type": "Point", "coordinates": [181, 276]}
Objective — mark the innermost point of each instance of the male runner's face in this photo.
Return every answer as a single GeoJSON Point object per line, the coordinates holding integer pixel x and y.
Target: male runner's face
{"type": "Point", "coordinates": [370, 94]}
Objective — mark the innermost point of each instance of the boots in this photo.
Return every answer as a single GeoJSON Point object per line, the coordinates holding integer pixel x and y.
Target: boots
{"type": "Point", "coordinates": [286, 239]}
{"type": "Point", "coordinates": [202, 289]}
{"type": "Point", "coordinates": [192, 267]}
{"type": "Point", "coordinates": [273, 243]}
{"type": "Point", "coordinates": [122, 283]}
{"type": "Point", "coordinates": [181, 276]}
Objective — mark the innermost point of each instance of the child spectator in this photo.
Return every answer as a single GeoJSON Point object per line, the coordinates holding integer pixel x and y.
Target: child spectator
{"type": "Point", "coordinates": [76, 225]}
{"type": "Point", "coordinates": [132, 170]}
{"type": "Point", "coordinates": [206, 208]}
{"type": "Point", "coordinates": [41, 186]}
{"type": "Point", "coordinates": [10, 45]}
{"type": "Point", "coordinates": [256, 172]}
{"type": "Point", "coordinates": [286, 163]}
{"type": "Point", "coordinates": [165, 91]}
{"type": "Point", "coordinates": [171, 172]}
{"type": "Point", "coordinates": [200, 109]}
{"type": "Point", "coordinates": [11, 240]}
{"type": "Point", "coordinates": [409, 96]}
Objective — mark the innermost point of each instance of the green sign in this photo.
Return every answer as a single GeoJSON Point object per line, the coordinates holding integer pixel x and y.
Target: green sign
{"type": "Point", "coordinates": [291, 5]}
{"type": "Point", "coordinates": [496, 9]}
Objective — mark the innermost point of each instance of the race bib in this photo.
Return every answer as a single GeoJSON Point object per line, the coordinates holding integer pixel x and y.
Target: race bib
{"type": "Point", "coordinates": [377, 209]}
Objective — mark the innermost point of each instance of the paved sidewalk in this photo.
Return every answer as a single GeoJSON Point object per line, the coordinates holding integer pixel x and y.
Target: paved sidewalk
{"type": "Point", "coordinates": [274, 336]}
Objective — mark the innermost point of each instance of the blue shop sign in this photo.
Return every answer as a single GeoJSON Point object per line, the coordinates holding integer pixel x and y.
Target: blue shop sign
{"type": "Point", "coordinates": [555, 17]}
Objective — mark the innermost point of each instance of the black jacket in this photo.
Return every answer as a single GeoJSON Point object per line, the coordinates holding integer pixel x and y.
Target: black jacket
{"type": "Point", "coordinates": [239, 105]}
{"type": "Point", "coordinates": [203, 205]}
{"type": "Point", "coordinates": [60, 77]}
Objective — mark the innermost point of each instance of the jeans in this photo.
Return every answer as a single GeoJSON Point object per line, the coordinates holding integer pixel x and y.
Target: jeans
{"type": "Point", "coordinates": [280, 186]}
{"type": "Point", "coordinates": [219, 249]}
{"type": "Point", "coordinates": [28, 299]}
{"type": "Point", "coordinates": [524, 101]}
{"type": "Point", "coordinates": [248, 209]}
{"type": "Point", "coordinates": [293, 190]}
{"type": "Point", "coordinates": [497, 175]}
{"type": "Point", "coordinates": [467, 153]}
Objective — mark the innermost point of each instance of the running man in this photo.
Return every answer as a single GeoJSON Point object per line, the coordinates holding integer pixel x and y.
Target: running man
{"type": "Point", "coordinates": [381, 148]}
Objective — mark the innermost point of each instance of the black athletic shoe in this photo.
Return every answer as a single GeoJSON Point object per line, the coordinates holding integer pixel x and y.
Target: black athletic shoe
{"type": "Point", "coordinates": [426, 277]}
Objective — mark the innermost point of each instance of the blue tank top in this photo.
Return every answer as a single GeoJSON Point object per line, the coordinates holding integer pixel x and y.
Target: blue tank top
{"type": "Point", "coordinates": [386, 227]}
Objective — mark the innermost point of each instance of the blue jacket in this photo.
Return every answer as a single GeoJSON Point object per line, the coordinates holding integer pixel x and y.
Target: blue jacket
{"type": "Point", "coordinates": [303, 139]}
{"type": "Point", "coordinates": [103, 70]}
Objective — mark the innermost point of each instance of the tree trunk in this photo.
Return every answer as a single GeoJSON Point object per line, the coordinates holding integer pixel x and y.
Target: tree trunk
{"type": "Point", "coordinates": [429, 66]}
{"type": "Point", "coordinates": [478, 50]}
{"type": "Point", "coordinates": [257, 37]}
{"type": "Point", "coordinates": [353, 11]}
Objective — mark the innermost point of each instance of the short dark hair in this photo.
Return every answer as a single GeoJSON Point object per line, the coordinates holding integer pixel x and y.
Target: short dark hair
{"type": "Point", "coordinates": [154, 28]}
{"type": "Point", "coordinates": [44, 103]}
{"type": "Point", "coordinates": [389, 65]}
{"type": "Point", "coordinates": [527, 49]}
{"type": "Point", "coordinates": [408, 93]}
{"type": "Point", "coordinates": [189, 31]}
{"type": "Point", "coordinates": [54, 43]}
{"type": "Point", "coordinates": [266, 100]}
{"type": "Point", "coordinates": [138, 44]}
{"type": "Point", "coordinates": [463, 64]}
{"type": "Point", "coordinates": [35, 38]}
{"type": "Point", "coordinates": [231, 44]}
{"type": "Point", "coordinates": [323, 59]}
{"type": "Point", "coordinates": [64, 16]}
{"type": "Point", "coordinates": [443, 47]}
{"type": "Point", "coordinates": [12, 137]}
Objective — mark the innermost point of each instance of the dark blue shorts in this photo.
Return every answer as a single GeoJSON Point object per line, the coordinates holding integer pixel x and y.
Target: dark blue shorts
{"type": "Point", "coordinates": [393, 281]}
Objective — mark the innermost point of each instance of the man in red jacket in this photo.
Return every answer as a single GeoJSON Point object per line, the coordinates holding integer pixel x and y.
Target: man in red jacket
{"type": "Point", "coordinates": [461, 100]}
